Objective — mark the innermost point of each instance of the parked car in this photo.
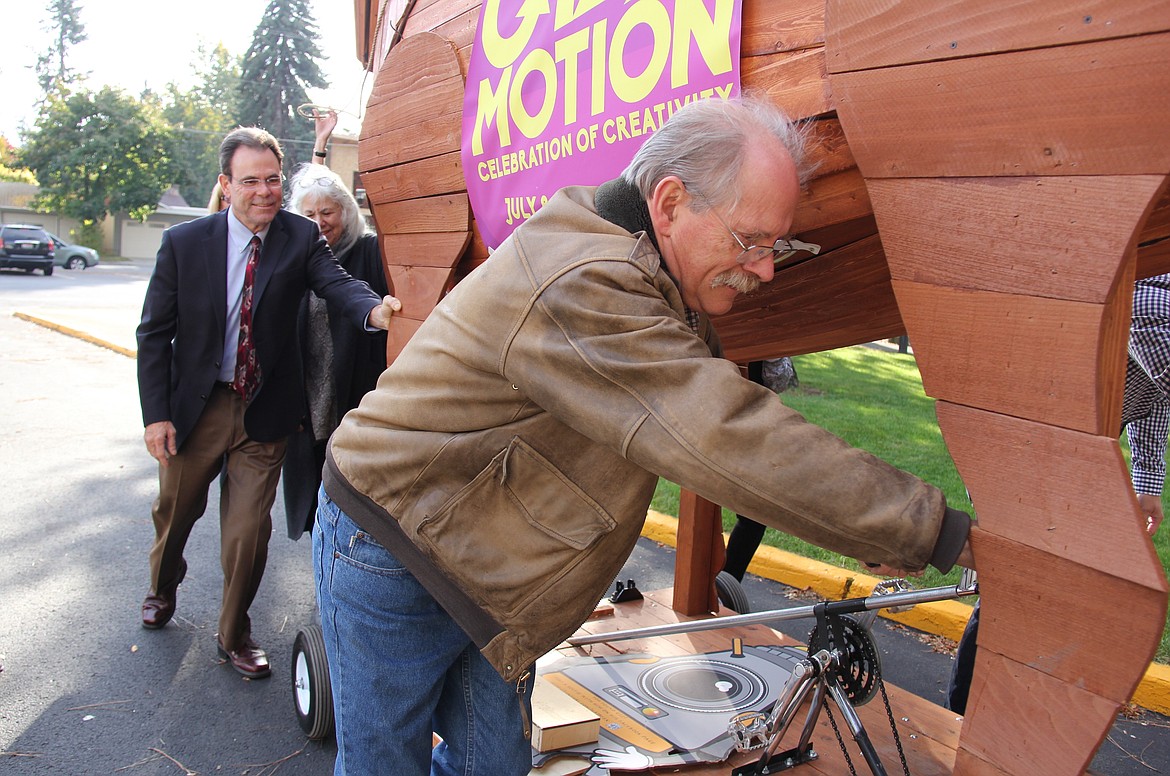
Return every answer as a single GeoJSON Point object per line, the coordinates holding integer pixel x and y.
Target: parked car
{"type": "Point", "coordinates": [27, 247]}
{"type": "Point", "coordinates": [73, 256]}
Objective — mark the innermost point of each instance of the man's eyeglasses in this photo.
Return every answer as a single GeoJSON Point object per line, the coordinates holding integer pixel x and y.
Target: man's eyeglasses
{"type": "Point", "coordinates": [780, 251]}
{"type": "Point", "coordinates": [271, 182]}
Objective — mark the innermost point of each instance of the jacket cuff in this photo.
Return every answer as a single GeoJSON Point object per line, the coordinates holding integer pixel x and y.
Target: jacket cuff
{"type": "Point", "coordinates": [956, 525]}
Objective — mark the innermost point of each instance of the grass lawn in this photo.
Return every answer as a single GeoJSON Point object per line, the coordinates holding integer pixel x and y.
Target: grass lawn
{"type": "Point", "coordinates": [873, 399]}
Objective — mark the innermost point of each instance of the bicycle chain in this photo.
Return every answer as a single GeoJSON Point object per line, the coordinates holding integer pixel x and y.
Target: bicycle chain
{"type": "Point", "coordinates": [861, 648]}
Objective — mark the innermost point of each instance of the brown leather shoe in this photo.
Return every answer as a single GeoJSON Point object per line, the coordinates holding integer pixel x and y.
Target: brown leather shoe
{"type": "Point", "coordinates": [159, 608]}
{"type": "Point", "coordinates": [248, 659]}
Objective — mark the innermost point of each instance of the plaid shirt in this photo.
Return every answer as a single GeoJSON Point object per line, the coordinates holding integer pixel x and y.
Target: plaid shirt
{"type": "Point", "coordinates": [1145, 412]}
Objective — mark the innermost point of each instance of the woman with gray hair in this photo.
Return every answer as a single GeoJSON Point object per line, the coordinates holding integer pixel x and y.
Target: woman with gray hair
{"type": "Point", "coordinates": [341, 363]}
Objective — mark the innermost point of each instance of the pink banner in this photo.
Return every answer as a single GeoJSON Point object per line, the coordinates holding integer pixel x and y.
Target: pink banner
{"type": "Point", "coordinates": [563, 92]}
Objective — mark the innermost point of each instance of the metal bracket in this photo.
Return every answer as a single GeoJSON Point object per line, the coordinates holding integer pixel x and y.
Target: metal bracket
{"type": "Point", "coordinates": [627, 592]}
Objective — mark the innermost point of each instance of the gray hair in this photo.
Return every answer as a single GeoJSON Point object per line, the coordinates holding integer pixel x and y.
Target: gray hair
{"type": "Point", "coordinates": [316, 181]}
{"type": "Point", "coordinates": [703, 143]}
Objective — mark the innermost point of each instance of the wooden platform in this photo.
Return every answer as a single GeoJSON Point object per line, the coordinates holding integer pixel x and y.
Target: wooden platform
{"type": "Point", "coordinates": [929, 733]}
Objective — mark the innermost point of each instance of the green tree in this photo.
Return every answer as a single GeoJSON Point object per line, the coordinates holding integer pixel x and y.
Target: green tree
{"type": "Point", "coordinates": [279, 66]}
{"type": "Point", "coordinates": [10, 169]}
{"type": "Point", "coordinates": [201, 117]}
{"type": "Point", "coordinates": [97, 153]}
{"type": "Point", "coordinates": [53, 74]}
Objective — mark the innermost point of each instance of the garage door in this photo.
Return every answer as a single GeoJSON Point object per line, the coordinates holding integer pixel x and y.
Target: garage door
{"type": "Point", "coordinates": [141, 240]}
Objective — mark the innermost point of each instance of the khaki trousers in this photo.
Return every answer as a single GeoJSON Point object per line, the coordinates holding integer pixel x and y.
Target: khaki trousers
{"type": "Point", "coordinates": [247, 491]}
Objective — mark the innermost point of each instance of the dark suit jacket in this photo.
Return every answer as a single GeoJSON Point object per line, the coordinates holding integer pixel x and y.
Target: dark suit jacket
{"type": "Point", "coordinates": [181, 336]}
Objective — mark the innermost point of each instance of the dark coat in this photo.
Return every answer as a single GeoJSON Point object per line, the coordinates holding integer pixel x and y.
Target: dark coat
{"type": "Point", "coordinates": [181, 336]}
{"type": "Point", "coordinates": [358, 360]}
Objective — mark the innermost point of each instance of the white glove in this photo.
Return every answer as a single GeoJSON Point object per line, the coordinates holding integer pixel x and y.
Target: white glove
{"type": "Point", "coordinates": [629, 760]}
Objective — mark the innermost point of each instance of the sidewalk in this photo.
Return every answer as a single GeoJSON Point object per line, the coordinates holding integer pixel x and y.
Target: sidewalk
{"type": "Point", "coordinates": [943, 618]}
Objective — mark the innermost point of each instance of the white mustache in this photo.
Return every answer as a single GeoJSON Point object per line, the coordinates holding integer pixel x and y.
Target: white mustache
{"type": "Point", "coordinates": [743, 282]}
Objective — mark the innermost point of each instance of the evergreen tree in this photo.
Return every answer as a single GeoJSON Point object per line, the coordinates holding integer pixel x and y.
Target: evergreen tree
{"type": "Point", "coordinates": [64, 23]}
{"type": "Point", "coordinates": [279, 66]}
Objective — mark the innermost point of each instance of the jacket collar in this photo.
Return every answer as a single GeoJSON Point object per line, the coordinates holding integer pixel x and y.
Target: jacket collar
{"type": "Point", "coordinates": [620, 203]}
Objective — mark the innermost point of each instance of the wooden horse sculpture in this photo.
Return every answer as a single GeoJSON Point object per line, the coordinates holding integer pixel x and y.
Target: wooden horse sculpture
{"type": "Point", "coordinates": [993, 177]}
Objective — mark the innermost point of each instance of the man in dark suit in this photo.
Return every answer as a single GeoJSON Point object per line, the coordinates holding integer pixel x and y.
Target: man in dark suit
{"type": "Point", "coordinates": [220, 376]}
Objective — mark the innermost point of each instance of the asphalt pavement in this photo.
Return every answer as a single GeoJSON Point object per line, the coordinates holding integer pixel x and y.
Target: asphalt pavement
{"type": "Point", "coordinates": [85, 690]}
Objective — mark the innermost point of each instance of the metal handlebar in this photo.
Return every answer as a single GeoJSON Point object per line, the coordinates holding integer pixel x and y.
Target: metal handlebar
{"type": "Point", "coordinates": [966, 586]}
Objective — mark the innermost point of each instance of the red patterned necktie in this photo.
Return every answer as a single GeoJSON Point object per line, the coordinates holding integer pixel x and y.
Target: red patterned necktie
{"type": "Point", "coordinates": [247, 368]}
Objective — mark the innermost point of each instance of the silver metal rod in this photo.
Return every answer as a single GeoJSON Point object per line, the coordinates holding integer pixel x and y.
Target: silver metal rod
{"type": "Point", "coordinates": [907, 598]}
{"type": "Point", "coordinates": [786, 706]}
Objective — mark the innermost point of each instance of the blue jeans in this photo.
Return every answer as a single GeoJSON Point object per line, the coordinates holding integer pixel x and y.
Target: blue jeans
{"type": "Point", "coordinates": [401, 668]}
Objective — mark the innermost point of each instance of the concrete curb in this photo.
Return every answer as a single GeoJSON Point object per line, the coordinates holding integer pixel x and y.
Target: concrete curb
{"type": "Point", "coordinates": [81, 335]}
{"type": "Point", "coordinates": [942, 618]}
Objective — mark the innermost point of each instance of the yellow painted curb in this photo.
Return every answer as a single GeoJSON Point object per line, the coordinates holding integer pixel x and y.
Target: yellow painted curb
{"type": "Point", "coordinates": [75, 333]}
{"type": "Point", "coordinates": [942, 618]}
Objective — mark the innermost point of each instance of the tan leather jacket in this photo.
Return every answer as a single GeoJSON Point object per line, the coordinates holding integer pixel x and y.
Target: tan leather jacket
{"type": "Point", "coordinates": [510, 453]}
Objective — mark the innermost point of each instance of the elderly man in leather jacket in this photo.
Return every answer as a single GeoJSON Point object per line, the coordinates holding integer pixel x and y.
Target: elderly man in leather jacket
{"type": "Point", "coordinates": [479, 502]}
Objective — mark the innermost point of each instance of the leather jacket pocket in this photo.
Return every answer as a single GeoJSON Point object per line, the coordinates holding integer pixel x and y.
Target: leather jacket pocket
{"type": "Point", "coordinates": [514, 530]}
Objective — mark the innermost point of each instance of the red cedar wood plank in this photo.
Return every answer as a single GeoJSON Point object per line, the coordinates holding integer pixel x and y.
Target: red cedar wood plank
{"type": "Point", "coordinates": [419, 288]}
{"type": "Point", "coordinates": [1052, 722]}
{"type": "Point", "coordinates": [1084, 494]}
{"type": "Point", "coordinates": [403, 111]}
{"type": "Point", "coordinates": [365, 13]}
{"type": "Point", "coordinates": [1038, 236]}
{"type": "Point", "coordinates": [1153, 259]}
{"type": "Point", "coordinates": [404, 123]}
{"type": "Point", "coordinates": [420, 63]}
{"type": "Point", "coordinates": [828, 149]}
{"type": "Point", "coordinates": [840, 298]}
{"type": "Point", "coordinates": [1034, 358]}
{"type": "Point", "coordinates": [831, 238]}
{"type": "Point", "coordinates": [1157, 226]}
{"type": "Point", "coordinates": [382, 31]}
{"type": "Point", "coordinates": [450, 213]}
{"type": "Point", "coordinates": [768, 27]}
{"type": "Point", "coordinates": [461, 32]}
{"type": "Point", "coordinates": [429, 137]}
{"type": "Point", "coordinates": [434, 249]}
{"type": "Point", "coordinates": [432, 15]}
{"type": "Point", "coordinates": [699, 554]}
{"type": "Point", "coordinates": [400, 331]}
{"type": "Point", "coordinates": [424, 178]}
{"type": "Point", "coordinates": [833, 199]}
{"type": "Point", "coordinates": [477, 253]}
{"type": "Point", "coordinates": [796, 81]}
{"type": "Point", "coordinates": [871, 35]}
{"type": "Point", "coordinates": [1022, 113]}
{"type": "Point", "coordinates": [1028, 600]}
